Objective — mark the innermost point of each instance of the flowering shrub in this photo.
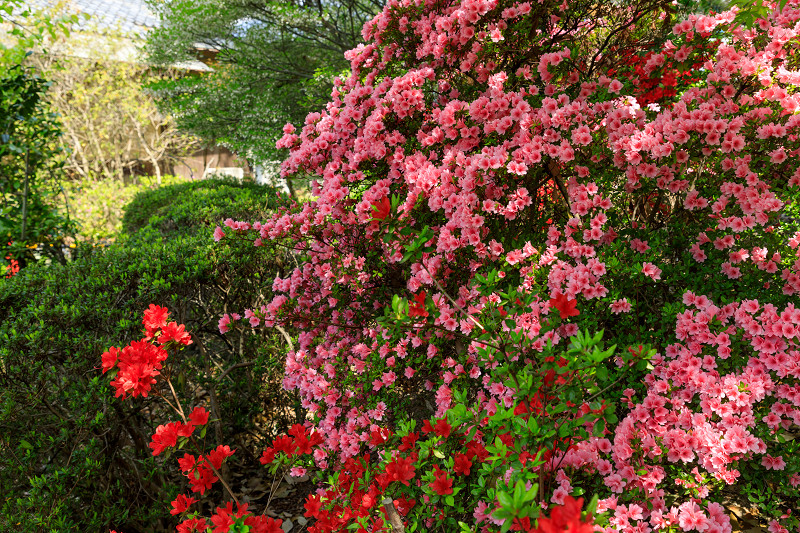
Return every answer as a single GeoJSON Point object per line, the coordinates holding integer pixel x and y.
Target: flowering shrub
{"type": "Point", "coordinates": [493, 207]}
{"type": "Point", "coordinates": [134, 370]}
{"type": "Point", "coordinates": [657, 77]}
{"type": "Point", "coordinates": [13, 265]}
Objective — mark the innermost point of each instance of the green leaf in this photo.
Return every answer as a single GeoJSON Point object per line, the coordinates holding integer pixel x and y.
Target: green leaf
{"type": "Point", "coordinates": [519, 494]}
{"type": "Point", "coordinates": [505, 499]}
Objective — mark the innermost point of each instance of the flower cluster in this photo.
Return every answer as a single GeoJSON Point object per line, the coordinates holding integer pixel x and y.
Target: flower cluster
{"type": "Point", "coordinates": [137, 367]}
{"type": "Point", "coordinates": [12, 267]}
{"type": "Point", "coordinates": [139, 363]}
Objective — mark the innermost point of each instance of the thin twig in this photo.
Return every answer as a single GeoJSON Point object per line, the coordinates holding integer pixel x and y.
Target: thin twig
{"type": "Point", "coordinates": [443, 291]}
{"type": "Point", "coordinates": [286, 337]}
{"type": "Point", "coordinates": [177, 401]}
{"type": "Point", "coordinates": [237, 365]}
{"type": "Point", "coordinates": [169, 403]}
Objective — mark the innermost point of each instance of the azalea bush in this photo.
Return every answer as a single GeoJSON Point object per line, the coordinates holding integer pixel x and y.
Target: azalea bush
{"type": "Point", "coordinates": [72, 457]}
{"type": "Point", "coordinates": [533, 292]}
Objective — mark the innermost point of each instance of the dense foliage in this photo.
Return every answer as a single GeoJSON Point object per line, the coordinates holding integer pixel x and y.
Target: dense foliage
{"type": "Point", "coordinates": [71, 459]}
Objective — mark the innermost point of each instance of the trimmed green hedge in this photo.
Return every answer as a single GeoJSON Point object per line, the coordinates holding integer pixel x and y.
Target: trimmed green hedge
{"type": "Point", "coordinates": [188, 207]}
{"type": "Point", "coordinates": [74, 458]}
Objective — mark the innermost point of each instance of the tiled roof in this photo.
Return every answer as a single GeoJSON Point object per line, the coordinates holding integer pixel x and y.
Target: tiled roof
{"type": "Point", "coordinates": [129, 16]}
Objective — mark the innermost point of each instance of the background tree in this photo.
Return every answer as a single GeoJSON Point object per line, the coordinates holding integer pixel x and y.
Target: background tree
{"type": "Point", "coordinates": [29, 164]}
{"type": "Point", "coordinates": [112, 127]}
{"type": "Point", "coordinates": [30, 158]}
{"type": "Point", "coordinates": [274, 62]}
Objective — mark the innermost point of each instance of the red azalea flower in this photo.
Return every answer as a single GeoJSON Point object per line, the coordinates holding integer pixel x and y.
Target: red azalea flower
{"type": "Point", "coordinates": [298, 430]}
{"type": "Point", "coordinates": [191, 525]}
{"type": "Point", "coordinates": [442, 484]}
{"type": "Point", "coordinates": [302, 445]}
{"type": "Point", "coordinates": [139, 363]}
{"type": "Point", "coordinates": [403, 505]}
{"type": "Point", "coordinates": [174, 332]}
{"type": "Point", "coordinates": [381, 208]}
{"type": "Point", "coordinates": [379, 435]}
{"type": "Point", "coordinates": [155, 318]}
{"type": "Point", "coordinates": [284, 444]}
{"type": "Point", "coordinates": [369, 499]}
{"type": "Point", "coordinates": [442, 428]}
{"type": "Point", "coordinates": [313, 505]}
{"type": "Point", "coordinates": [181, 504]}
{"type": "Point", "coordinates": [507, 439]}
{"type": "Point", "coordinates": [521, 408]}
{"type": "Point", "coordinates": [198, 416]}
{"type": "Point", "coordinates": [202, 479]}
{"type": "Point", "coordinates": [267, 456]}
{"type": "Point", "coordinates": [565, 306]}
{"type": "Point", "coordinates": [476, 449]}
{"type": "Point", "coordinates": [565, 517]}
{"type": "Point", "coordinates": [109, 359]}
{"type": "Point", "coordinates": [216, 456]}
{"type": "Point", "coordinates": [185, 430]}
{"type": "Point", "coordinates": [263, 524]}
{"type": "Point", "coordinates": [187, 462]}
{"type": "Point", "coordinates": [166, 436]}
{"type": "Point", "coordinates": [222, 521]}
{"type": "Point", "coordinates": [524, 457]}
{"type": "Point", "coordinates": [408, 441]}
{"type": "Point", "coordinates": [401, 469]}
{"type": "Point", "coordinates": [315, 438]}
{"type": "Point", "coordinates": [13, 265]}
{"type": "Point", "coordinates": [461, 464]}
{"type": "Point", "coordinates": [417, 306]}
{"type": "Point", "coordinates": [637, 352]}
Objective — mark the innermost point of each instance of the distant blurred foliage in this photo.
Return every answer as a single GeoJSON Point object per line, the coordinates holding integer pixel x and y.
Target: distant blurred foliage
{"type": "Point", "coordinates": [24, 29]}
{"type": "Point", "coordinates": [112, 128]}
{"type": "Point", "coordinates": [97, 206]}
{"type": "Point", "coordinates": [31, 227]}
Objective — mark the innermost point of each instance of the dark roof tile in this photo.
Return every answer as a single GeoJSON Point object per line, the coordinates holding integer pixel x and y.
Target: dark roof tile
{"type": "Point", "coordinates": [130, 16]}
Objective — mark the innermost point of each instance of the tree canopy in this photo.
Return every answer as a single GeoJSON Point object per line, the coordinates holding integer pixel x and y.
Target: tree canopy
{"type": "Point", "coordinates": [273, 61]}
